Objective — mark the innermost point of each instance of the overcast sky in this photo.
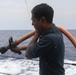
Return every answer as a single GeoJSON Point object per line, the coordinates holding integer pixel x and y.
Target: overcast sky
{"type": "Point", "coordinates": [15, 14]}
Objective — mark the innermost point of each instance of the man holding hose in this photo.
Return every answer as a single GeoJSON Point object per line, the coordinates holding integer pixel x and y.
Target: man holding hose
{"type": "Point", "coordinates": [47, 42]}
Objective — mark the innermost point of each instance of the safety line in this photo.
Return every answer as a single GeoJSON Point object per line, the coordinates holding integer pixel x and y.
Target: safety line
{"type": "Point", "coordinates": [74, 64]}
{"type": "Point", "coordinates": [11, 57]}
{"type": "Point", "coordinates": [27, 8]}
{"type": "Point", "coordinates": [5, 73]}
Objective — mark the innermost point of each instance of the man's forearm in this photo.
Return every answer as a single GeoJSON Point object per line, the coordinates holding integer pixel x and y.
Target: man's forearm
{"type": "Point", "coordinates": [23, 47]}
{"type": "Point", "coordinates": [33, 41]}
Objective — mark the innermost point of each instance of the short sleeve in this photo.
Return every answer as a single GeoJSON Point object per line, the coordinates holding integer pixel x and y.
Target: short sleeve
{"type": "Point", "coordinates": [41, 47]}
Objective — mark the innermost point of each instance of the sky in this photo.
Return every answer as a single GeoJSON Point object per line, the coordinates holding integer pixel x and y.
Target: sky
{"type": "Point", "coordinates": [16, 14]}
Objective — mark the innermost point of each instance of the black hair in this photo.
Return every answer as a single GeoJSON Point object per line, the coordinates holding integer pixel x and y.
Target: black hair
{"type": "Point", "coordinates": [43, 10]}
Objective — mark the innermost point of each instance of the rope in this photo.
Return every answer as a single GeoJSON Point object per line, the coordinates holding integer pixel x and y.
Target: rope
{"type": "Point", "coordinates": [27, 8]}
{"type": "Point", "coordinates": [5, 73]}
{"type": "Point", "coordinates": [11, 57]}
{"type": "Point", "coordinates": [74, 64]}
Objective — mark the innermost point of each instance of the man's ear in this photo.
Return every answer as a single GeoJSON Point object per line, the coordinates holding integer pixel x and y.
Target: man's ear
{"type": "Point", "coordinates": [43, 19]}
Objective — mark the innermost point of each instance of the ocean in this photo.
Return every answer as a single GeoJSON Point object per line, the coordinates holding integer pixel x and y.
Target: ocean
{"type": "Point", "coordinates": [15, 64]}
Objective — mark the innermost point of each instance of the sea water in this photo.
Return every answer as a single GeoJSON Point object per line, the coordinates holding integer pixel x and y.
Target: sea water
{"type": "Point", "coordinates": [15, 64]}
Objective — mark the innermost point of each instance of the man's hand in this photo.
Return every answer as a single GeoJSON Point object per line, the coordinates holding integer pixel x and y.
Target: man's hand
{"type": "Point", "coordinates": [16, 50]}
{"type": "Point", "coordinates": [32, 42]}
{"type": "Point", "coordinates": [37, 33]}
{"type": "Point", "coordinates": [13, 48]}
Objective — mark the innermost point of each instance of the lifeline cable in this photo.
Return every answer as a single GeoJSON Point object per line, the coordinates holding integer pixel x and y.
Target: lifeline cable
{"type": "Point", "coordinates": [27, 8]}
{"type": "Point", "coordinates": [5, 73]}
{"type": "Point", "coordinates": [11, 57]}
{"type": "Point", "coordinates": [74, 64]}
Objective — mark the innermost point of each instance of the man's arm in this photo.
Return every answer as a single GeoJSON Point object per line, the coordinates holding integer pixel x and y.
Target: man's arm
{"type": "Point", "coordinates": [33, 41]}
{"type": "Point", "coordinates": [18, 48]}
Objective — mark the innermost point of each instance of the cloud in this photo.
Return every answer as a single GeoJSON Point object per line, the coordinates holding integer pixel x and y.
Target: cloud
{"type": "Point", "coordinates": [13, 8]}
{"type": "Point", "coordinates": [13, 15]}
{"type": "Point", "coordinates": [17, 13]}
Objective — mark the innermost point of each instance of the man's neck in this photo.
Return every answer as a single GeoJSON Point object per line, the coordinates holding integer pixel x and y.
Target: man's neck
{"type": "Point", "coordinates": [47, 27]}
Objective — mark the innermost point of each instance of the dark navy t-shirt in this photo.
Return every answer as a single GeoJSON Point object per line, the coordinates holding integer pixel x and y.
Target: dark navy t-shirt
{"type": "Point", "coordinates": [50, 50]}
